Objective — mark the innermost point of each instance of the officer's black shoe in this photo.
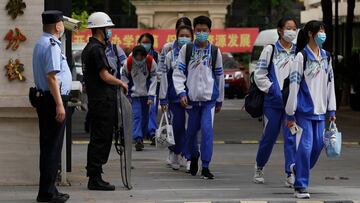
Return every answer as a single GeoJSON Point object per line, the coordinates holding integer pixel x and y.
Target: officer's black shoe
{"type": "Point", "coordinates": [153, 141]}
{"type": "Point", "coordinates": [194, 167]}
{"type": "Point", "coordinates": [139, 146]}
{"type": "Point", "coordinates": [97, 183]}
{"type": "Point", "coordinates": [206, 174]}
{"type": "Point", "coordinates": [58, 198]}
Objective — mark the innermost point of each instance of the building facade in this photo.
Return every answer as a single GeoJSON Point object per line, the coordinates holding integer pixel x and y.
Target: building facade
{"type": "Point", "coordinates": [163, 14]}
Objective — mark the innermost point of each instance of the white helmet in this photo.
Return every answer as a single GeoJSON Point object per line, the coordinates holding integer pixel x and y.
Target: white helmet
{"type": "Point", "coordinates": [98, 20]}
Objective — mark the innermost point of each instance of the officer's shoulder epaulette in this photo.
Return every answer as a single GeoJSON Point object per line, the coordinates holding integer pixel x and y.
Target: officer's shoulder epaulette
{"type": "Point", "coordinates": [52, 42]}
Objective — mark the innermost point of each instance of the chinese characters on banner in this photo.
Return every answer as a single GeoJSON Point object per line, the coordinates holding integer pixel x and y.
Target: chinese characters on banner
{"type": "Point", "coordinates": [228, 40]}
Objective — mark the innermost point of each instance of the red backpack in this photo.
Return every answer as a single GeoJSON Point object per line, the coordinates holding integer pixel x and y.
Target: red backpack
{"type": "Point", "coordinates": [149, 60]}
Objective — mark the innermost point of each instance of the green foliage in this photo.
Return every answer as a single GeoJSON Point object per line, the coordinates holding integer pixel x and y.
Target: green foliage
{"type": "Point", "coordinates": [83, 17]}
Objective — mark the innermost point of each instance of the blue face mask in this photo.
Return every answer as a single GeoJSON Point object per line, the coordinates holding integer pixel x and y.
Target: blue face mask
{"type": "Point", "coordinates": [202, 36]}
{"type": "Point", "coordinates": [320, 38]}
{"type": "Point", "coordinates": [183, 40]}
{"type": "Point", "coordinates": [147, 46]}
{"type": "Point", "coordinates": [62, 33]}
{"type": "Point", "coordinates": [108, 34]}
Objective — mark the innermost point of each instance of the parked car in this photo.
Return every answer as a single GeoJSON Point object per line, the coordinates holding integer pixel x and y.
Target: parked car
{"type": "Point", "coordinates": [236, 78]}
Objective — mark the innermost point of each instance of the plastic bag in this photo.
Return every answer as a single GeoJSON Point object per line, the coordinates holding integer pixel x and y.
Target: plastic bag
{"type": "Point", "coordinates": [164, 134]}
{"type": "Point", "coordinates": [332, 141]}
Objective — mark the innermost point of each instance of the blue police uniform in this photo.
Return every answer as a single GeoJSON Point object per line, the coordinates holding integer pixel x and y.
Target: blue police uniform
{"type": "Point", "coordinates": [49, 58]}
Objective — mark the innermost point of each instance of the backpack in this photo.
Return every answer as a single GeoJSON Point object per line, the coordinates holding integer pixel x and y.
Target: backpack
{"type": "Point", "coordinates": [189, 49]}
{"type": "Point", "coordinates": [254, 101]}
{"type": "Point", "coordinates": [149, 60]}
{"type": "Point", "coordinates": [286, 88]}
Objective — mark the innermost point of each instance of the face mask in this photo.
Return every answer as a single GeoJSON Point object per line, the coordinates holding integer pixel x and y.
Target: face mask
{"type": "Point", "coordinates": [183, 40]}
{"type": "Point", "coordinates": [62, 33]}
{"type": "Point", "coordinates": [147, 46]}
{"type": "Point", "coordinates": [289, 35]}
{"type": "Point", "coordinates": [202, 36]}
{"type": "Point", "coordinates": [320, 38]}
{"type": "Point", "coordinates": [108, 35]}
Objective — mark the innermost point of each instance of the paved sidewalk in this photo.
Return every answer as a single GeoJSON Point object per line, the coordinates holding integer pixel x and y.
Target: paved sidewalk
{"type": "Point", "coordinates": [332, 179]}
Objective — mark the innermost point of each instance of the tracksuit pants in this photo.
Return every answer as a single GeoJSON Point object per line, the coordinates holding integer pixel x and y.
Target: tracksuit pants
{"type": "Point", "coordinates": [274, 121]}
{"type": "Point", "coordinates": [152, 125]}
{"type": "Point", "coordinates": [140, 110]}
{"type": "Point", "coordinates": [309, 149]}
{"type": "Point", "coordinates": [201, 117]}
{"type": "Point", "coordinates": [177, 119]}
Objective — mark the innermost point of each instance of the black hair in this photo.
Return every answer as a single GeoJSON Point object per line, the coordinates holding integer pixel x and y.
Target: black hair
{"type": "Point", "coordinates": [139, 49]}
{"type": "Point", "coordinates": [284, 20]}
{"type": "Point", "coordinates": [314, 27]}
{"type": "Point", "coordinates": [202, 20]}
{"type": "Point", "coordinates": [182, 21]}
{"type": "Point", "coordinates": [149, 36]}
{"type": "Point", "coordinates": [182, 27]}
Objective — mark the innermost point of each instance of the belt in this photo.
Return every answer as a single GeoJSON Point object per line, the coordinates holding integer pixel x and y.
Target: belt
{"type": "Point", "coordinates": [65, 98]}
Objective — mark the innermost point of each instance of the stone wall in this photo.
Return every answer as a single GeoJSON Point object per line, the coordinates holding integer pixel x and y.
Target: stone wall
{"type": "Point", "coordinates": [19, 148]}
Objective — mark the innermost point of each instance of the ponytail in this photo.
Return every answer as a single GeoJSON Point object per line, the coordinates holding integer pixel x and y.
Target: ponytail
{"type": "Point", "coordinates": [302, 40]}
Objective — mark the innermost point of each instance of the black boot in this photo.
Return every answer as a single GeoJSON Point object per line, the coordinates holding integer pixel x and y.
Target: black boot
{"type": "Point", "coordinates": [97, 183]}
{"type": "Point", "coordinates": [194, 166]}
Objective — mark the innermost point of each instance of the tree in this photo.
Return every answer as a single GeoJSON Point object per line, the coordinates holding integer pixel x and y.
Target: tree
{"type": "Point", "coordinates": [349, 77]}
{"type": "Point", "coordinates": [326, 6]}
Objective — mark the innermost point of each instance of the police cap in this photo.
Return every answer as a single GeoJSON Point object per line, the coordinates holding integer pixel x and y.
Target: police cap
{"type": "Point", "coordinates": [52, 16]}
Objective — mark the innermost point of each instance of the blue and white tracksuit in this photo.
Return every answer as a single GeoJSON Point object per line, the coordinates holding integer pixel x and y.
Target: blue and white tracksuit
{"type": "Point", "coordinates": [169, 97]}
{"type": "Point", "coordinates": [312, 96]}
{"type": "Point", "coordinates": [113, 59]}
{"type": "Point", "coordinates": [152, 125]}
{"type": "Point", "coordinates": [204, 88]}
{"type": "Point", "coordinates": [271, 81]}
{"type": "Point", "coordinates": [142, 87]}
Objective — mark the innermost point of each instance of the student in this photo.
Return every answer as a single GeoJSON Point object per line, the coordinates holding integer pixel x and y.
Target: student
{"type": "Point", "coordinates": [147, 41]}
{"type": "Point", "coordinates": [311, 98]}
{"type": "Point", "coordinates": [139, 72]}
{"type": "Point", "coordinates": [199, 82]}
{"type": "Point", "coordinates": [170, 100]}
{"type": "Point", "coordinates": [162, 68]}
{"type": "Point", "coordinates": [272, 78]}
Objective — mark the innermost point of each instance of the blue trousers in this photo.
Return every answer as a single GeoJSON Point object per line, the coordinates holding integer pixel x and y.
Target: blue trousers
{"type": "Point", "coordinates": [177, 116]}
{"type": "Point", "coordinates": [152, 125]}
{"type": "Point", "coordinates": [201, 117]}
{"type": "Point", "coordinates": [309, 149]}
{"type": "Point", "coordinates": [274, 121]}
{"type": "Point", "coordinates": [140, 117]}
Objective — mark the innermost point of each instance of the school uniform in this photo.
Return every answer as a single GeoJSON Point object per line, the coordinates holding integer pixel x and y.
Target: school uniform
{"type": "Point", "coordinates": [204, 88]}
{"type": "Point", "coordinates": [169, 97]}
{"type": "Point", "coordinates": [269, 77]}
{"type": "Point", "coordinates": [312, 96]}
{"type": "Point", "coordinates": [152, 124]}
{"type": "Point", "coordinates": [142, 87]}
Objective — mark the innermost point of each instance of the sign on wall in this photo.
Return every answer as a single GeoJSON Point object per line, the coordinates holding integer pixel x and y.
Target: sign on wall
{"type": "Point", "coordinates": [228, 40]}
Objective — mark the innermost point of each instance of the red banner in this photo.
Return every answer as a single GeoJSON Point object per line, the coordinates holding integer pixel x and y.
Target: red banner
{"type": "Point", "coordinates": [228, 40]}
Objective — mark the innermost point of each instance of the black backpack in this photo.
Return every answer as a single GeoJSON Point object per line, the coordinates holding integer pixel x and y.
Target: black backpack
{"type": "Point", "coordinates": [189, 49]}
{"type": "Point", "coordinates": [254, 101]}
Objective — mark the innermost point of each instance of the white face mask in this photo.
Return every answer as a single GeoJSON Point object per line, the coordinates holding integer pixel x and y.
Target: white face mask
{"type": "Point", "coordinates": [289, 35]}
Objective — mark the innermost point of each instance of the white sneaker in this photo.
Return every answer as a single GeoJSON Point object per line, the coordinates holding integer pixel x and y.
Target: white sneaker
{"type": "Point", "coordinates": [302, 194]}
{"type": "Point", "coordinates": [176, 162]}
{"type": "Point", "coordinates": [183, 162]}
{"type": "Point", "coordinates": [170, 158]}
{"type": "Point", "coordinates": [290, 180]}
{"type": "Point", "coordinates": [188, 164]}
{"type": "Point", "coordinates": [259, 175]}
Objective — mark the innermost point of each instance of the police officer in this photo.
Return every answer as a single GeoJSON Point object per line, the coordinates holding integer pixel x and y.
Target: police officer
{"type": "Point", "coordinates": [53, 82]}
{"type": "Point", "coordinates": [101, 91]}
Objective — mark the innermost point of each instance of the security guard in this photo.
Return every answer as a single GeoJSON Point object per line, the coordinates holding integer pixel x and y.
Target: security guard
{"type": "Point", "coordinates": [53, 83]}
{"type": "Point", "coordinates": [101, 91]}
